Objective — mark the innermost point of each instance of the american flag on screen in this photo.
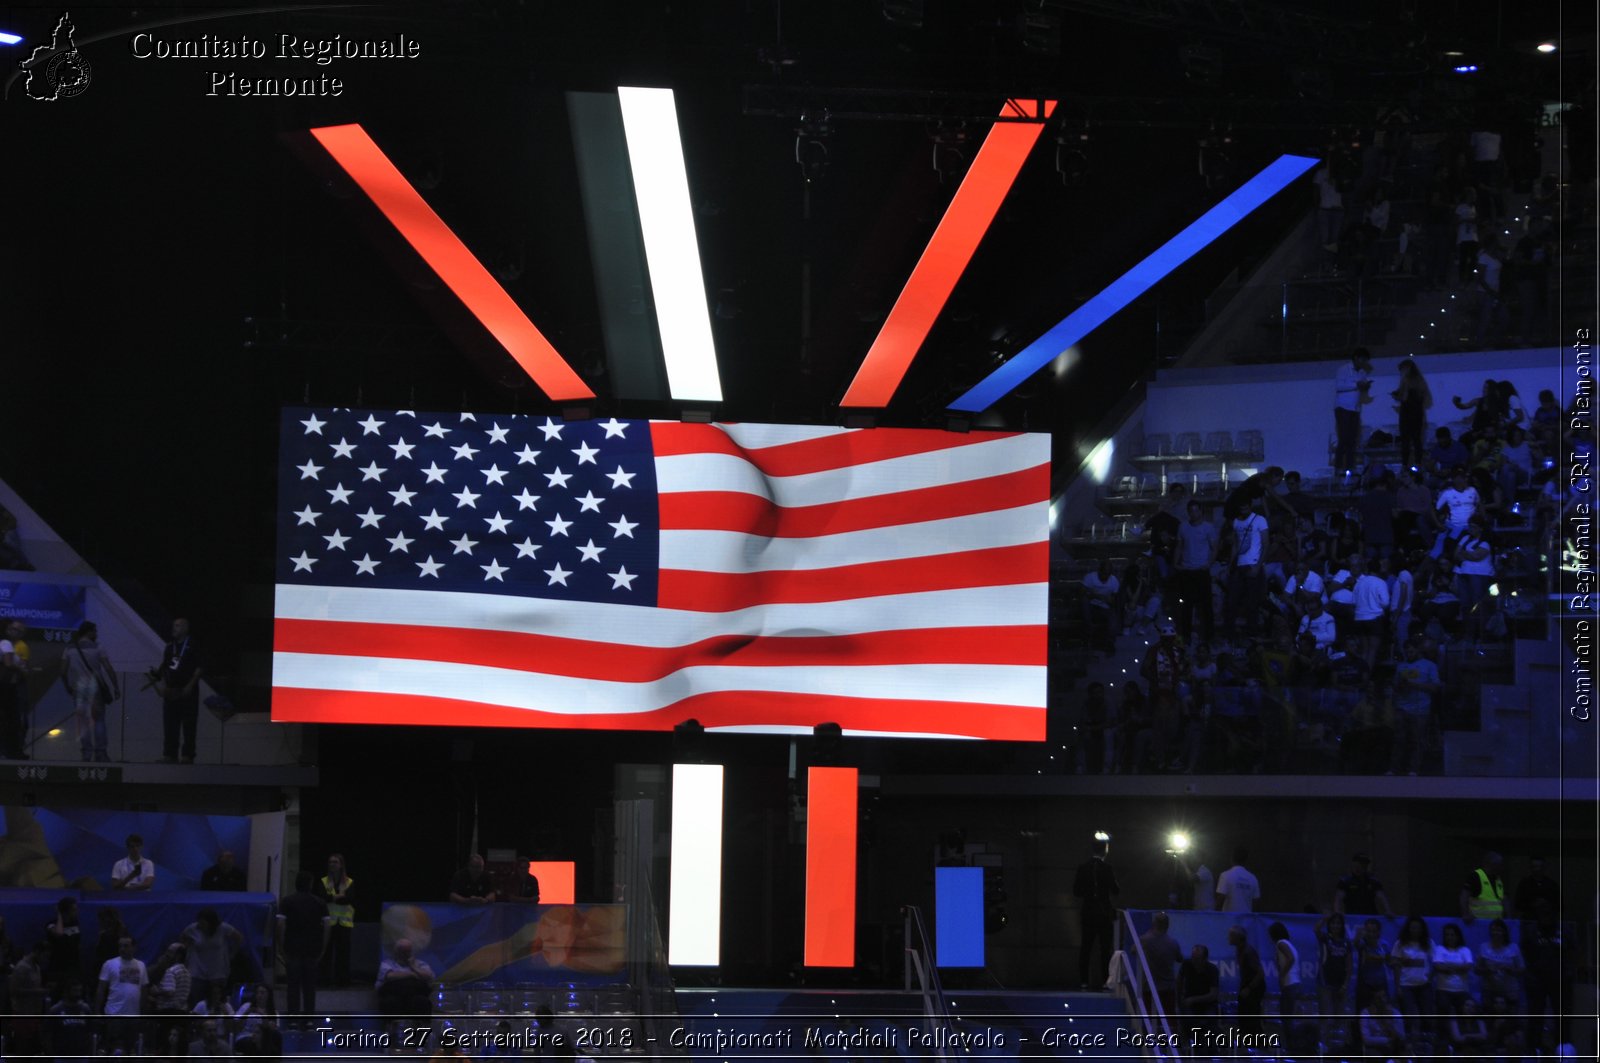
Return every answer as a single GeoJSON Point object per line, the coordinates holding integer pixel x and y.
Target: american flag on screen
{"type": "Point", "coordinates": [522, 571]}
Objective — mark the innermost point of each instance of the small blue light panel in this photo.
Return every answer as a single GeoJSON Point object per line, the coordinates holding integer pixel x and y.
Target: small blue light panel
{"type": "Point", "coordinates": [958, 916]}
{"type": "Point", "coordinates": [1134, 283]}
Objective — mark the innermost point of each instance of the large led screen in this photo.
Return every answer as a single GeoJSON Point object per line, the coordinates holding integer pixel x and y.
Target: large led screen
{"type": "Point", "coordinates": [522, 571]}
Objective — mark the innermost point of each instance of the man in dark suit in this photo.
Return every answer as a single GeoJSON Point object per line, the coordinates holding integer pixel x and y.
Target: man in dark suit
{"type": "Point", "coordinates": [1095, 885]}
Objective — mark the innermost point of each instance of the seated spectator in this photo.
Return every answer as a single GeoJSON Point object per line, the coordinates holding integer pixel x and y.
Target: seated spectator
{"type": "Point", "coordinates": [1382, 1032]}
{"type": "Point", "coordinates": [1466, 1031]}
{"type": "Point", "coordinates": [1100, 606]}
{"type": "Point", "coordinates": [1506, 1027]}
{"type": "Point", "coordinates": [1516, 466]}
{"type": "Point", "coordinates": [224, 875]}
{"type": "Point", "coordinates": [1340, 585]}
{"type": "Point", "coordinates": [1446, 454]}
{"type": "Point", "coordinates": [471, 885]}
{"type": "Point", "coordinates": [256, 1025]}
{"type": "Point", "coordinates": [404, 982]}
{"type": "Point", "coordinates": [69, 1032]}
{"type": "Point", "coordinates": [1305, 582]}
{"type": "Point", "coordinates": [1319, 624]}
{"type": "Point", "coordinates": [1500, 967]}
{"type": "Point", "coordinates": [1198, 994]}
{"type": "Point", "coordinates": [1452, 963]}
{"type": "Point", "coordinates": [210, 1044]}
{"type": "Point", "coordinates": [1300, 503]}
{"type": "Point", "coordinates": [1547, 422]}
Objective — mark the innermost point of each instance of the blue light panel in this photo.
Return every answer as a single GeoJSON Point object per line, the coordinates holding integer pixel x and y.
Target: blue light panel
{"type": "Point", "coordinates": [958, 916]}
{"type": "Point", "coordinates": [1134, 283]}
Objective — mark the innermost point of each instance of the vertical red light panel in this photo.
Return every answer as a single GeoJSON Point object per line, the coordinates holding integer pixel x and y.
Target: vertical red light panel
{"type": "Point", "coordinates": [557, 880]}
{"type": "Point", "coordinates": [831, 867]}
{"type": "Point", "coordinates": [971, 210]}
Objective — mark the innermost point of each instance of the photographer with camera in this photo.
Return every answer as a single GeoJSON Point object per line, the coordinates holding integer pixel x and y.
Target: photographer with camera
{"type": "Point", "coordinates": [177, 680]}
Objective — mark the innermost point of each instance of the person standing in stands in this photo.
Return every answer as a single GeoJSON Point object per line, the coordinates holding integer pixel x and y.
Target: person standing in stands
{"type": "Point", "coordinates": [121, 995]}
{"type": "Point", "coordinates": [335, 888]}
{"type": "Point", "coordinates": [1416, 680]}
{"type": "Point", "coordinates": [303, 930]}
{"type": "Point", "coordinates": [1351, 387]}
{"type": "Point", "coordinates": [1483, 895]}
{"type": "Point", "coordinates": [211, 945]}
{"type": "Point", "coordinates": [1237, 889]}
{"type": "Point", "coordinates": [1197, 550]}
{"type": "Point", "coordinates": [134, 872]}
{"type": "Point", "coordinates": [91, 684]}
{"type": "Point", "coordinates": [224, 875]}
{"type": "Point", "coordinates": [1163, 953]}
{"type": "Point", "coordinates": [178, 683]}
{"type": "Point", "coordinates": [1247, 579]}
{"type": "Point", "coordinates": [1095, 886]}
{"type": "Point", "coordinates": [1252, 981]}
{"type": "Point", "coordinates": [1286, 959]}
{"type": "Point", "coordinates": [13, 693]}
{"type": "Point", "coordinates": [1198, 983]}
{"type": "Point", "coordinates": [1359, 893]}
{"type": "Point", "coordinates": [1537, 886]}
{"type": "Point", "coordinates": [1414, 399]}
{"type": "Point", "coordinates": [1334, 968]}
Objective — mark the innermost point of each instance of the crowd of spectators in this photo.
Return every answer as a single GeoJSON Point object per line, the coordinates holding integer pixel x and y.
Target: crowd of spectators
{"type": "Point", "coordinates": [1291, 615]}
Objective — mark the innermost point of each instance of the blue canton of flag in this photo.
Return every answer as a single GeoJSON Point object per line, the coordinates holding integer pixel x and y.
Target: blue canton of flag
{"type": "Point", "coordinates": [520, 505]}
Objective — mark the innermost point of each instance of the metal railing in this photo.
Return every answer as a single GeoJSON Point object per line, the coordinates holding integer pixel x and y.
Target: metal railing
{"type": "Point", "coordinates": [1137, 986]}
{"type": "Point", "coordinates": [919, 962]}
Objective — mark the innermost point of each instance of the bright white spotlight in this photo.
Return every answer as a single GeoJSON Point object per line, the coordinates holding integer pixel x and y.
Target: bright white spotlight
{"type": "Point", "coordinates": [12, 38]}
{"type": "Point", "coordinates": [1177, 842]}
{"type": "Point", "coordinates": [666, 216]}
{"type": "Point", "coordinates": [1547, 47]}
{"type": "Point", "coordinates": [1101, 836]}
{"type": "Point", "coordinates": [1099, 461]}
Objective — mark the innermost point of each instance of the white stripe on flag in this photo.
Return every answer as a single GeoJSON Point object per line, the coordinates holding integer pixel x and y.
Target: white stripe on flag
{"type": "Point", "coordinates": [1021, 685]}
{"type": "Point", "coordinates": [756, 436]}
{"type": "Point", "coordinates": [724, 472]}
{"type": "Point", "coordinates": [632, 625]}
{"type": "Point", "coordinates": [723, 551]}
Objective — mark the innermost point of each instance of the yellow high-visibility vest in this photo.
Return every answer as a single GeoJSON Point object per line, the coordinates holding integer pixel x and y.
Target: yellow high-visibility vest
{"type": "Point", "coordinates": [1490, 903]}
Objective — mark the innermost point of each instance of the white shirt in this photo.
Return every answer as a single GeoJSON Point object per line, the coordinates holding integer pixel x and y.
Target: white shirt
{"type": "Point", "coordinates": [124, 979]}
{"type": "Point", "coordinates": [124, 867]}
{"type": "Point", "coordinates": [1238, 889]}
{"type": "Point", "coordinates": [1347, 386]}
{"type": "Point", "coordinates": [1312, 585]}
{"type": "Point", "coordinates": [1489, 268]}
{"type": "Point", "coordinates": [1371, 596]}
{"type": "Point", "coordinates": [1249, 533]}
{"type": "Point", "coordinates": [1344, 596]}
{"type": "Point", "coordinates": [1465, 567]}
{"type": "Point", "coordinates": [1461, 504]}
{"type": "Point", "coordinates": [1290, 977]}
{"type": "Point", "coordinates": [1322, 628]}
{"type": "Point", "coordinates": [1100, 591]}
{"type": "Point", "coordinates": [1451, 982]}
{"type": "Point", "coordinates": [1402, 592]}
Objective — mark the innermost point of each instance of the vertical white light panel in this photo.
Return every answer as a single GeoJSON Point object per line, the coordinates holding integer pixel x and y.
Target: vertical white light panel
{"type": "Point", "coordinates": [661, 186]}
{"type": "Point", "coordinates": [694, 916]}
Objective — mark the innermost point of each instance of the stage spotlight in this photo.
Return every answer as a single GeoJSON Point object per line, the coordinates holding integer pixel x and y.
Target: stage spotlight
{"type": "Point", "coordinates": [1544, 48]}
{"type": "Point", "coordinates": [1177, 842]}
{"type": "Point", "coordinates": [12, 38]}
{"type": "Point", "coordinates": [1101, 836]}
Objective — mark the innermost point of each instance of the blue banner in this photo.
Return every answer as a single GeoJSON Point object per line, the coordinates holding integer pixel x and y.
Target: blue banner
{"type": "Point", "coordinates": [43, 606]}
{"type": "Point", "coordinates": [514, 944]}
{"type": "Point", "coordinates": [75, 848]}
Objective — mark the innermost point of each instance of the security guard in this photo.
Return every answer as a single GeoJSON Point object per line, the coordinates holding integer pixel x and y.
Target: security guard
{"type": "Point", "coordinates": [335, 888]}
{"type": "Point", "coordinates": [1483, 896]}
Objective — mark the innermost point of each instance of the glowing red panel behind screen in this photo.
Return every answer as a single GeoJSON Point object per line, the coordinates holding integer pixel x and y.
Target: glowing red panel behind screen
{"type": "Point", "coordinates": [460, 270]}
{"type": "Point", "coordinates": [831, 867]}
{"type": "Point", "coordinates": [955, 240]}
{"type": "Point", "coordinates": [557, 880]}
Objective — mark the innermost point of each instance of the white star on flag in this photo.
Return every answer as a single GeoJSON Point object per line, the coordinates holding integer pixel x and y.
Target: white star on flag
{"type": "Point", "coordinates": [366, 566]}
{"type": "Point", "coordinates": [493, 475]}
{"type": "Point", "coordinates": [465, 451]}
{"type": "Point", "coordinates": [308, 471]}
{"type": "Point", "coordinates": [590, 552]}
{"type": "Point", "coordinates": [436, 430]}
{"type": "Point", "coordinates": [620, 478]}
{"type": "Point", "coordinates": [492, 571]}
{"type": "Point", "coordinates": [559, 526]}
{"type": "Point", "coordinates": [621, 578]}
{"type": "Point", "coordinates": [434, 474]}
{"type": "Point", "coordinates": [343, 449]}
{"type": "Point", "coordinates": [466, 498]}
{"type": "Point", "coordinates": [526, 500]}
{"type": "Point", "coordinates": [307, 516]}
{"type": "Point", "coordinates": [434, 521]}
{"type": "Point", "coordinates": [313, 425]}
{"type": "Point", "coordinates": [498, 434]}
{"type": "Point", "coordinates": [623, 528]}
{"type": "Point", "coordinates": [304, 562]}
{"type": "Point", "coordinates": [558, 478]}
{"type": "Point", "coordinates": [589, 503]}
{"type": "Point", "coordinates": [340, 493]}
{"type": "Point", "coordinates": [614, 429]}
{"type": "Point", "coordinates": [400, 543]}
{"type": "Point", "coordinates": [464, 545]}
{"type": "Point", "coordinates": [497, 523]}
{"type": "Point", "coordinates": [557, 575]}
{"type": "Point", "coordinates": [402, 497]}
{"type": "Point", "coordinates": [551, 430]}
{"type": "Point", "coordinates": [402, 449]}
{"type": "Point", "coordinates": [370, 518]}
{"type": "Point", "coordinates": [370, 426]}
{"type": "Point", "coordinates": [585, 453]}
{"type": "Point", "coordinates": [372, 472]}
{"type": "Point", "coordinates": [527, 547]}
{"type": "Point", "coordinates": [337, 540]}
{"type": "Point", "coordinates": [527, 455]}
{"type": "Point", "coordinates": [430, 567]}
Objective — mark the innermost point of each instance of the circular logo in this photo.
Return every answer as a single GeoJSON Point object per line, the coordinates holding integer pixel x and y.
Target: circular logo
{"type": "Point", "coordinates": [68, 74]}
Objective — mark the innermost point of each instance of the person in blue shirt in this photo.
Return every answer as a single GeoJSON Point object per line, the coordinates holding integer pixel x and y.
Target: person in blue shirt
{"type": "Point", "coordinates": [1416, 680]}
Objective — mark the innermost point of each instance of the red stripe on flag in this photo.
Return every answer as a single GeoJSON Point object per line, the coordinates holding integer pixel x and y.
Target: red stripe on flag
{"type": "Point", "coordinates": [1009, 723]}
{"type": "Point", "coordinates": [718, 592]}
{"type": "Point", "coordinates": [740, 512]}
{"type": "Point", "coordinates": [831, 867]}
{"type": "Point", "coordinates": [839, 451]}
{"type": "Point", "coordinates": [584, 659]}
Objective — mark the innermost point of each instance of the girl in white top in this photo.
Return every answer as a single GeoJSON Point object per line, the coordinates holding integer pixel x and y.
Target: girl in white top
{"type": "Point", "coordinates": [1500, 964]}
{"type": "Point", "coordinates": [1412, 960]}
{"type": "Point", "coordinates": [1287, 959]}
{"type": "Point", "coordinates": [1452, 961]}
